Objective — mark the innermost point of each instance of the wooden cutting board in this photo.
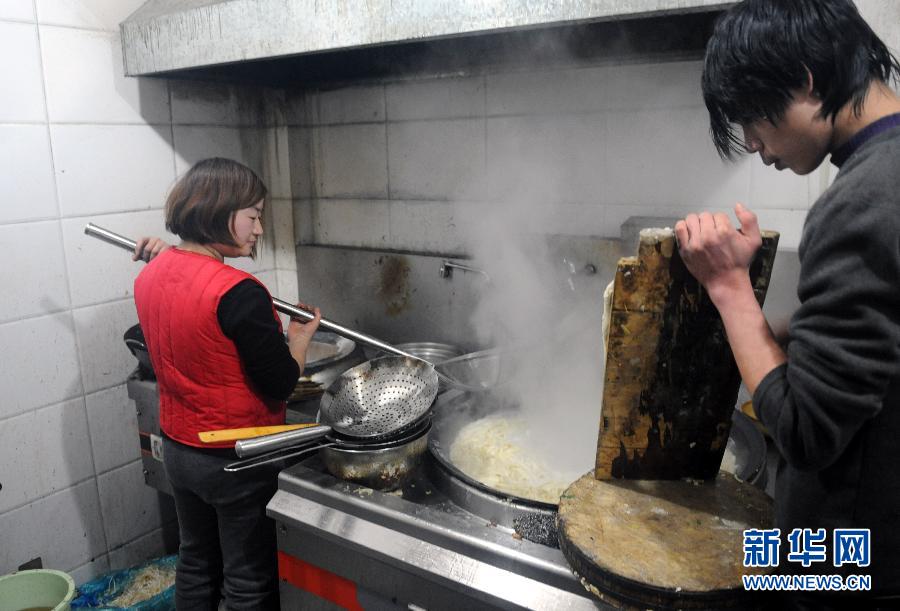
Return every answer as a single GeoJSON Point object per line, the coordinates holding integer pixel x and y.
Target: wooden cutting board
{"type": "Point", "coordinates": [670, 383]}
{"type": "Point", "coordinates": [662, 544]}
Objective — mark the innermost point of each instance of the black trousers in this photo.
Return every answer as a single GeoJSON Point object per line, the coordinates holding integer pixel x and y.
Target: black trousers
{"type": "Point", "coordinates": [227, 547]}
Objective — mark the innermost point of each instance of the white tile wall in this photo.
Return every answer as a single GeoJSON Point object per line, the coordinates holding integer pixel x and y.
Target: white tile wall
{"type": "Point", "coordinates": [43, 364]}
{"type": "Point", "coordinates": [87, 14]}
{"type": "Point", "coordinates": [575, 219]}
{"type": "Point", "coordinates": [789, 223]}
{"type": "Point", "coordinates": [64, 529]}
{"type": "Point", "coordinates": [549, 158]}
{"type": "Point", "coordinates": [436, 159]}
{"type": "Point", "coordinates": [86, 83]}
{"type": "Point", "coordinates": [112, 418]}
{"type": "Point", "coordinates": [81, 142]}
{"type": "Point", "coordinates": [436, 99]}
{"type": "Point", "coordinates": [105, 360]}
{"type": "Point", "coordinates": [22, 10]}
{"type": "Point", "coordinates": [195, 143]}
{"type": "Point", "coordinates": [138, 551]}
{"type": "Point", "coordinates": [280, 211]}
{"type": "Point", "coordinates": [38, 252]}
{"type": "Point", "coordinates": [288, 289]}
{"type": "Point", "coordinates": [350, 105]}
{"type": "Point", "coordinates": [90, 570]}
{"type": "Point", "coordinates": [660, 85]}
{"type": "Point", "coordinates": [351, 161]}
{"type": "Point", "coordinates": [46, 450]}
{"type": "Point", "coordinates": [430, 226]}
{"type": "Point", "coordinates": [130, 508]}
{"type": "Point", "coordinates": [270, 280]}
{"type": "Point", "coordinates": [557, 92]}
{"type": "Point", "coordinates": [99, 272]}
{"type": "Point", "coordinates": [884, 17]}
{"type": "Point", "coordinates": [298, 108]}
{"type": "Point", "coordinates": [20, 64]}
{"type": "Point", "coordinates": [26, 184]}
{"type": "Point", "coordinates": [278, 171]}
{"type": "Point", "coordinates": [264, 106]}
{"type": "Point", "coordinates": [581, 150]}
{"type": "Point", "coordinates": [303, 221]}
{"type": "Point", "coordinates": [362, 223]}
{"type": "Point", "coordinates": [300, 155]}
{"type": "Point", "coordinates": [200, 103]}
{"type": "Point", "coordinates": [666, 157]}
{"type": "Point", "coordinates": [111, 168]}
{"type": "Point", "coordinates": [770, 188]}
{"type": "Point", "coordinates": [617, 215]}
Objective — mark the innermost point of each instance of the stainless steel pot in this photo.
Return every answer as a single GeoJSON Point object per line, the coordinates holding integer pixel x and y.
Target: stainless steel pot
{"type": "Point", "coordinates": [381, 469]}
{"type": "Point", "coordinates": [433, 352]}
{"type": "Point", "coordinates": [381, 466]}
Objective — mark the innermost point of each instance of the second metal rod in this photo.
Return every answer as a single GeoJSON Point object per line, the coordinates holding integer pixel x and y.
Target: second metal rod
{"type": "Point", "coordinates": [282, 306]}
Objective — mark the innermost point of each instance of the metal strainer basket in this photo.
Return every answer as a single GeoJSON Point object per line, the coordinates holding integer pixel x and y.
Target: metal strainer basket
{"type": "Point", "coordinates": [376, 401]}
{"type": "Point", "coordinates": [381, 397]}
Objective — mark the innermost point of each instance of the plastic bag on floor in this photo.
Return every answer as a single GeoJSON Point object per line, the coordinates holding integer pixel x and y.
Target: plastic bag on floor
{"type": "Point", "coordinates": [146, 587]}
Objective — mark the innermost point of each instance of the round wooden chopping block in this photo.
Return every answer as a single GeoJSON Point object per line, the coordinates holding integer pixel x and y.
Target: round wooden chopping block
{"type": "Point", "coordinates": [662, 544]}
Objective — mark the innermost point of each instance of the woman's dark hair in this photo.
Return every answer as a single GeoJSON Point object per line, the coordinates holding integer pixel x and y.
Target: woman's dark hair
{"type": "Point", "coordinates": [760, 52]}
{"type": "Point", "coordinates": [202, 203]}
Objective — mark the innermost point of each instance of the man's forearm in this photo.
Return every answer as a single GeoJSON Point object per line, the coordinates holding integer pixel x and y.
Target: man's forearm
{"type": "Point", "coordinates": [755, 349]}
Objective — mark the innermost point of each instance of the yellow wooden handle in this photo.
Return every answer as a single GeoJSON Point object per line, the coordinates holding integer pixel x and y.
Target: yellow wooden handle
{"type": "Point", "coordinates": [248, 433]}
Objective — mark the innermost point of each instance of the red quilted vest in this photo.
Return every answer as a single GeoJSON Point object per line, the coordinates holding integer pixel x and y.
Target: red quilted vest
{"type": "Point", "coordinates": [202, 385]}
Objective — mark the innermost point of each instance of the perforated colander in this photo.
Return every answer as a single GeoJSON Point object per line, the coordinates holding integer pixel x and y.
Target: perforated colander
{"type": "Point", "coordinates": [379, 398]}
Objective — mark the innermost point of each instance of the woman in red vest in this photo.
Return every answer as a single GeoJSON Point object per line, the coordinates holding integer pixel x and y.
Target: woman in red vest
{"type": "Point", "coordinates": [221, 362]}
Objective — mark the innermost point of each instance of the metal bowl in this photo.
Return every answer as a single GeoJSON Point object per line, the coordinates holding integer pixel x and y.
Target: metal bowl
{"type": "Point", "coordinates": [481, 370]}
{"type": "Point", "coordinates": [332, 348]}
{"type": "Point", "coordinates": [339, 355]}
{"type": "Point", "coordinates": [433, 352]}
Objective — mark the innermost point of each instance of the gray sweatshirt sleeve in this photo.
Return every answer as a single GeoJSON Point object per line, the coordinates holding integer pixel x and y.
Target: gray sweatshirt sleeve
{"type": "Point", "coordinates": [845, 337]}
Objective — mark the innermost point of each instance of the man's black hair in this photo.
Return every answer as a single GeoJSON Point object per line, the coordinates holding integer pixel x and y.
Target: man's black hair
{"type": "Point", "coordinates": [760, 52]}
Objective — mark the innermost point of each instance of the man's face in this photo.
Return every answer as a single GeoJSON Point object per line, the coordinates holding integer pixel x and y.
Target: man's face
{"type": "Point", "coordinates": [799, 141]}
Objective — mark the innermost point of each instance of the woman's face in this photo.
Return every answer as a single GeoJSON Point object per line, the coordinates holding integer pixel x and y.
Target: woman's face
{"type": "Point", "coordinates": [246, 227]}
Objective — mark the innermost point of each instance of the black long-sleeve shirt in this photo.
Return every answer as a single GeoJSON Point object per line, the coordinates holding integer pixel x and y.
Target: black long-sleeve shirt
{"type": "Point", "coordinates": [245, 316]}
{"type": "Point", "coordinates": [834, 408]}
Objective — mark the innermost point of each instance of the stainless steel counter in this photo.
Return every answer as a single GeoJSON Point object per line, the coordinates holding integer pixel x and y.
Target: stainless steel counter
{"type": "Point", "coordinates": [413, 549]}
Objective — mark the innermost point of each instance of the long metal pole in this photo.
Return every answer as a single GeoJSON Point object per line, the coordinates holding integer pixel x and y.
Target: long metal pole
{"type": "Point", "coordinates": [282, 306]}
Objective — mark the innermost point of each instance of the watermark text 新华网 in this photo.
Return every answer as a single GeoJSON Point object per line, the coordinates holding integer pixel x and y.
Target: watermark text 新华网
{"type": "Point", "coordinates": [851, 546]}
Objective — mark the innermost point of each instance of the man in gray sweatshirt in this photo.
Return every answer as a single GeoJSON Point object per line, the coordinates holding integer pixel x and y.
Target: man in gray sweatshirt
{"type": "Point", "coordinates": [796, 81]}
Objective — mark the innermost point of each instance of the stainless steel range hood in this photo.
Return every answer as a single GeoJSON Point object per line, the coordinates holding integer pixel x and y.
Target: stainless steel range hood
{"type": "Point", "coordinates": [166, 36]}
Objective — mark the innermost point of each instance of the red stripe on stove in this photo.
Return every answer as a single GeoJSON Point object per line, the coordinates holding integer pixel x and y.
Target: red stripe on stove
{"type": "Point", "coordinates": [324, 584]}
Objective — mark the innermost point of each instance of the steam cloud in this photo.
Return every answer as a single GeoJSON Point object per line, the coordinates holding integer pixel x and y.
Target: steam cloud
{"type": "Point", "coordinates": [545, 319]}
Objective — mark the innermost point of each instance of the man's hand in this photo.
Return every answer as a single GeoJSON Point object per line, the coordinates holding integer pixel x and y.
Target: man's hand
{"type": "Point", "coordinates": [147, 248]}
{"type": "Point", "coordinates": [717, 254]}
